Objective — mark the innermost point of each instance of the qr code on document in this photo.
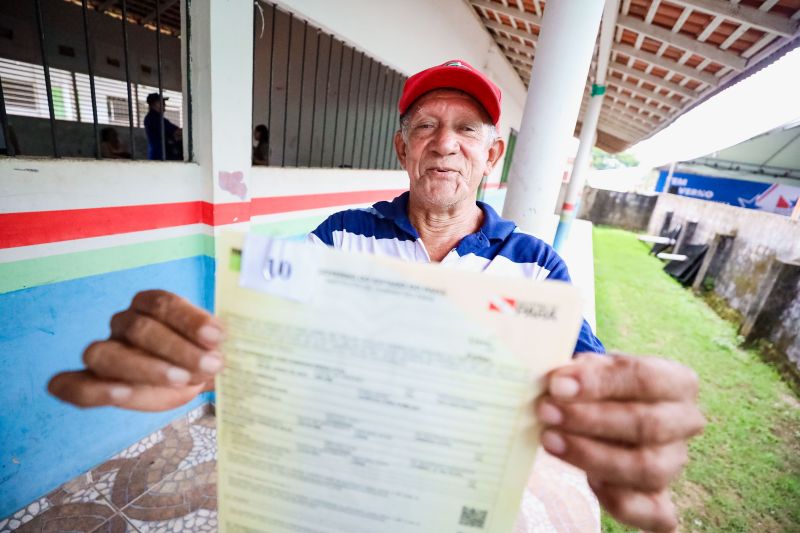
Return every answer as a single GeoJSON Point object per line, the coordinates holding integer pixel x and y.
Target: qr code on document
{"type": "Point", "coordinates": [472, 517]}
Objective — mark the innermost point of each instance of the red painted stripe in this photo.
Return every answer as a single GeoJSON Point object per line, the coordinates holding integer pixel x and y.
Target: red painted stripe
{"type": "Point", "coordinates": [285, 204]}
{"type": "Point", "coordinates": [40, 227]}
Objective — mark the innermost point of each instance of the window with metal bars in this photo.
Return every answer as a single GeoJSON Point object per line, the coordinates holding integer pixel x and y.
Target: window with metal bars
{"type": "Point", "coordinates": [324, 103]}
{"type": "Point", "coordinates": [71, 67]}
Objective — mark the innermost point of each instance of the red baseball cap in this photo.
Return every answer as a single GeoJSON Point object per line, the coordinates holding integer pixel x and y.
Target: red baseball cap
{"type": "Point", "coordinates": [454, 74]}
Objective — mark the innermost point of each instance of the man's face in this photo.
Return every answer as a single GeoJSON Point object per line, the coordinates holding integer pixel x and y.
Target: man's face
{"type": "Point", "coordinates": [447, 149]}
{"type": "Point", "coordinates": [157, 106]}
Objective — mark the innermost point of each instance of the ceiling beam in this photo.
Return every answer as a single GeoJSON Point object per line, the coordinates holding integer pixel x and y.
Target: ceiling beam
{"type": "Point", "coordinates": [623, 125]}
{"type": "Point", "coordinates": [639, 131]}
{"type": "Point", "coordinates": [654, 80]}
{"type": "Point", "coordinates": [627, 100]}
{"type": "Point", "coordinates": [769, 22]}
{"type": "Point", "coordinates": [105, 5]}
{"type": "Point", "coordinates": [632, 87]}
{"type": "Point", "coordinates": [522, 58]}
{"type": "Point", "coordinates": [663, 62]}
{"type": "Point", "coordinates": [619, 131]}
{"type": "Point", "coordinates": [164, 6]}
{"type": "Point", "coordinates": [683, 42]}
{"type": "Point", "coordinates": [623, 117]}
{"type": "Point", "coordinates": [647, 121]}
{"type": "Point", "coordinates": [509, 30]}
{"type": "Point", "coordinates": [509, 12]}
{"type": "Point", "coordinates": [511, 43]}
{"type": "Point", "coordinates": [617, 109]}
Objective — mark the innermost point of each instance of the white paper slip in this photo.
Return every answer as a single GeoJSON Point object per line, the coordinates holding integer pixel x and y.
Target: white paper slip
{"type": "Point", "coordinates": [388, 397]}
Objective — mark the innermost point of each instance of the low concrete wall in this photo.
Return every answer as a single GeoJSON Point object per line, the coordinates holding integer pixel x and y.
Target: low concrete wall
{"type": "Point", "coordinates": [759, 238]}
{"type": "Point", "coordinates": [756, 272]}
{"type": "Point", "coordinates": [753, 262]}
{"type": "Point", "coordinates": [626, 210]}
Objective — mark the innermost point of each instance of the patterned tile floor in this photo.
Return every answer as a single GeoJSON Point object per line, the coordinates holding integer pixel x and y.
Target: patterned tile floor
{"type": "Point", "coordinates": [165, 482]}
{"type": "Point", "coordinates": [168, 482]}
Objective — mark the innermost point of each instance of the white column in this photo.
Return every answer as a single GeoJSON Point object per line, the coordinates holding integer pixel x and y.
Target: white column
{"type": "Point", "coordinates": [563, 55]}
{"type": "Point", "coordinates": [591, 117]}
{"type": "Point", "coordinates": [221, 79]}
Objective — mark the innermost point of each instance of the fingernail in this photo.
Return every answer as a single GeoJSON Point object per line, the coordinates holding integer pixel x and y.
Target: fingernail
{"type": "Point", "coordinates": [564, 387]}
{"type": "Point", "coordinates": [553, 442]}
{"type": "Point", "coordinates": [178, 376]}
{"type": "Point", "coordinates": [550, 414]}
{"type": "Point", "coordinates": [209, 334]}
{"type": "Point", "coordinates": [119, 393]}
{"type": "Point", "coordinates": [210, 364]}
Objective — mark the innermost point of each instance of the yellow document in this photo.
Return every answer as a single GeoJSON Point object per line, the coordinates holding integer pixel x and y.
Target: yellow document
{"type": "Point", "coordinates": [367, 395]}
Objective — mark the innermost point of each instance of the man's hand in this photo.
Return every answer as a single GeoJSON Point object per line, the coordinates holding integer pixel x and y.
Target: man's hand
{"type": "Point", "coordinates": [626, 422]}
{"type": "Point", "coordinates": [162, 352]}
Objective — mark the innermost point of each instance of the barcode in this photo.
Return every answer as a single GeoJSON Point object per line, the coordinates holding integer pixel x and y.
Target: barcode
{"type": "Point", "coordinates": [472, 517]}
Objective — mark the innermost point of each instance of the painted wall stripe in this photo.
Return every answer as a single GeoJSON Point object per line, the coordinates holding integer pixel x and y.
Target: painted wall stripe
{"type": "Point", "coordinates": [38, 227]}
{"type": "Point", "coordinates": [62, 267]}
{"type": "Point", "coordinates": [42, 271]}
{"type": "Point", "coordinates": [37, 251]}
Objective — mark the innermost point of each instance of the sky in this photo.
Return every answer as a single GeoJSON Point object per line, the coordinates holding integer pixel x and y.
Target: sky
{"type": "Point", "coordinates": [763, 101]}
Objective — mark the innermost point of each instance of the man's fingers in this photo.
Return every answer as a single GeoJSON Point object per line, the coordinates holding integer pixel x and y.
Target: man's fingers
{"type": "Point", "coordinates": [150, 335]}
{"type": "Point", "coordinates": [112, 360]}
{"type": "Point", "coordinates": [620, 377]}
{"type": "Point", "coordinates": [648, 511]}
{"type": "Point", "coordinates": [645, 468]}
{"type": "Point", "coordinates": [83, 389]}
{"type": "Point", "coordinates": [628, 422]}
{"type": "Point", "coordinates": [194, 323]}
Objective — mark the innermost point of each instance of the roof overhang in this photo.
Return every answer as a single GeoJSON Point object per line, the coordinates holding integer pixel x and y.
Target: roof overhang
{"type": "Point", "coordinates": [667, 56]}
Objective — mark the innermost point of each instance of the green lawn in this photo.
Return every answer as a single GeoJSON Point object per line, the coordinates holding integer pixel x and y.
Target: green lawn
{"type": "Point", "coordinates": [744, 471]}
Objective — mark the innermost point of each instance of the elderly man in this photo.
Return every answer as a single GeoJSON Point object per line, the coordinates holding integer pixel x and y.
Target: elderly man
{"type": "Point", "coordinates": [624, 420]}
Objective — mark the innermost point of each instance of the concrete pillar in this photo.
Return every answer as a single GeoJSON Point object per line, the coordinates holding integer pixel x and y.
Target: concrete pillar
{"type": "Point", "coordinates": [221, 80]}
{"type": "Point", "coordinates": [563, 55]}
{"type": "Point", "coordinates": [588, 126]}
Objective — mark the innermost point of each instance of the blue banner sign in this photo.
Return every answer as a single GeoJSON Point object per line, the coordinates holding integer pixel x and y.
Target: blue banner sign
{"type": "Point", "coordinates": [772, 197]}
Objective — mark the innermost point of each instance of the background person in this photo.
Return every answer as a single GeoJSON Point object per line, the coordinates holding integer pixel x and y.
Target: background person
{"type": "Point", "coordinates": [261, 145]}
{"type": "Point", "coordinates": [110, 147]}
{"type": "Point", "coordinates": [152, 126]}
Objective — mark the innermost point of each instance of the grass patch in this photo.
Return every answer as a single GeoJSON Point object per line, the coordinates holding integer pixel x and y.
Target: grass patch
{"type": "Point", "coordinates": [744, 471]}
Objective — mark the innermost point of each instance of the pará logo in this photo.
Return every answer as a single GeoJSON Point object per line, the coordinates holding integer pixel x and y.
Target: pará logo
{"type": "Point", "coordinates": [538, 310]}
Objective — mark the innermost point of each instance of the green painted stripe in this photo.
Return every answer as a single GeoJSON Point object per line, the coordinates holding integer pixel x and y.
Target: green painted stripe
{"type": "Point", "coordinates": [288, 228]}
{"type": "Point", "coordinates": [55, 268]}
{"type": "Point", "coordinates": [52, 269]}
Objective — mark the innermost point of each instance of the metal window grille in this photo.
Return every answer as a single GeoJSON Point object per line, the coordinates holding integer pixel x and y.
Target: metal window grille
{"type": "Point", "coordinates": [71, 66]}
{"type": "Point", "coordinates": [325, 104]}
